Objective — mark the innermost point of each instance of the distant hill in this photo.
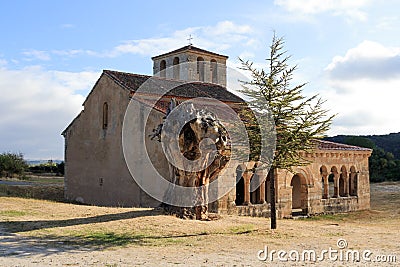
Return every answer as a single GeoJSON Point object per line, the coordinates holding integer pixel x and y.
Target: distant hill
{"type": "Point", "coordinates": [388, 142]}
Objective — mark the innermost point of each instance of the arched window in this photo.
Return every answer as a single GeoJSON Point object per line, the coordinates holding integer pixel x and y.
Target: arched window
{"type": "Point", "coordinates": [105, 115]}
{"type": "Point", "coordinates": [176, 68]}
{"type": "Point", "coordinates": [214, 71]}
{"type": "Point", "coordinates": [163, 66]}
{"type": "Point", "coordinates": [200, 68]}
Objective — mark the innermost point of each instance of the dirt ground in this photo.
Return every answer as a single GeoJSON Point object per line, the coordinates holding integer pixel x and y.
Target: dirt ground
{"type": "Point", "coordinates": [44, 233]}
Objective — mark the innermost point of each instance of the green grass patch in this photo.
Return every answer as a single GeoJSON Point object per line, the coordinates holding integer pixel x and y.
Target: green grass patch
{"type": "Point", "coordinates": [242, 229]}
{"type": "Point", "coordinates": [112, 239]}
{"type": "Point", "coordinates": [13, 213]}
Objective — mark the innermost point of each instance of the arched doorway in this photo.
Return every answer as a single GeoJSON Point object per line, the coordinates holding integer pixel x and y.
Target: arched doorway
{"type": "Point", "coordinates": [299, 195]}
{"type": "Point", "coordinates": [239, 186]}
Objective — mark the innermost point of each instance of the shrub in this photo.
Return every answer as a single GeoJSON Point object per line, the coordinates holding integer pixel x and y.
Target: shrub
{"type": "Point", "coordinates": [12, 164]}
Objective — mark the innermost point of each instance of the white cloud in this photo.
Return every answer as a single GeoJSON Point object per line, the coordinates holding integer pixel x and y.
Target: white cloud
{"type": "Point", "coordinates": [347, 8]}
{"type": "Point", "coordinates": [36, 105]}
{"type": "Point", "coordinates": [227, 27]}
{"type": "Point", "coordinates": [73, 52]}
{"type": "Point", "coordinates": [37, 54]}
{"type": "Point", "coordinates": [218, 37]}
{"type": "Point", "coordinates": [41, 55]}
{"type": "Point", "coordinates": [367, 60]}
{"type": "Point", "coordinates": [365, 85]}
{"type": "Point", "coordinates": [387, 23]}
{"type": "Point", "coordinates": [246, 55]}
{"type": "Point", "coordinates": [366, 107]}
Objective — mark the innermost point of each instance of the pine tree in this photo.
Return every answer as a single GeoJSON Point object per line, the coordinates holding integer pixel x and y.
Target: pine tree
{"type": "Point", "coordinates": [298, 119]}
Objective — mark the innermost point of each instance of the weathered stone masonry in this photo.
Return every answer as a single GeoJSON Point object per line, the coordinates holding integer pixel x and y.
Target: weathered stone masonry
{"type": "Point", "coordinates": [336, 180]}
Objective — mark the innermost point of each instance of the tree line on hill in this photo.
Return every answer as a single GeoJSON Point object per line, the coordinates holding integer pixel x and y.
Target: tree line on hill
{"type": "Point", "coordinates": [14, 165]}
{"type": "Point", "coordinates": [384, 163]}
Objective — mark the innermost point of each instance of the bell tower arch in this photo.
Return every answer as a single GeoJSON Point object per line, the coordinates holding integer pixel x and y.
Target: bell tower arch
{"type": "Point", "coordinates": [190, 63]}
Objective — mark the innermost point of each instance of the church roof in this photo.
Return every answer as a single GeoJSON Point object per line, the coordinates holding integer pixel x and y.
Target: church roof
{"type": "Point", "coordinates": [327, 145]}
{"type": "Point", "coordinates": [188, 48]}
{"type": "Point", "coordinates": [181, 89]}
{"type": "Point", "coordinates": [132, 82]}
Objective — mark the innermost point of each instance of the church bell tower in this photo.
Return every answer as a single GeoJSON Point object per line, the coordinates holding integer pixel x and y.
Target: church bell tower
{"type": "Point", "coordinates": [190, 63]}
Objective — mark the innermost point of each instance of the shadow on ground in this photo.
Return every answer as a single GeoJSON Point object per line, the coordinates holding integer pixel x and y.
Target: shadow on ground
{"type": "Point", "coordinates": [13, 244]}
{"type": "Point", "coordinates": [26, 226]}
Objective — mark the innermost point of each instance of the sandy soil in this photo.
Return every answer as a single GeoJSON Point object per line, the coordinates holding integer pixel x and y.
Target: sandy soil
{"type": "Point", "coordinates": [43, 233]}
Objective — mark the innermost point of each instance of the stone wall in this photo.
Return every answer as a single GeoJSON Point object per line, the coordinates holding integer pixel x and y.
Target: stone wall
{"type": "Point", "coordinates": [334, 181]}
{"type": "Point", "coordinates": [95, 170]}
{"type": "Point", "coordinates": [186, 70]}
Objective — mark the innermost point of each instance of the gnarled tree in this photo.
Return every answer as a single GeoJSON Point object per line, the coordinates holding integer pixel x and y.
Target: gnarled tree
{"type": "Point", "coordinates": [214, 154]}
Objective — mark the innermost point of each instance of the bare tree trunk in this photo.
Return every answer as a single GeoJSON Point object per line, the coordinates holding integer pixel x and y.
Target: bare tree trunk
{"type": "Point", "coordinates": [272, 191]}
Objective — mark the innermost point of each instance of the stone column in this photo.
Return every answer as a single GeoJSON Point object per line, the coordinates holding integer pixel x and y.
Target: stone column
{"type": "Point", "coordinates": [335, 184]}
{"type": "Point", "coordinates": [346, 184]}
{"type": "Point", "coordinates": [246, 177]}
{"type": "Point", "coordinates": [326, 187]}
{"type": "Point", "coordinates": [352, 183]}
{"type": "Point", "coordinates": [262, 192]}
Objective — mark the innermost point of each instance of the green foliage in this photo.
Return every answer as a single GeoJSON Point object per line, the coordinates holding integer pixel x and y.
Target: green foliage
{"type": "Point", "coordinates": [383, 166]}
{"type": "Point", "coordinates": [49, 167]}
{"type": "Point", "coordinates": [12, 164]}
{"type": "Point", "coordinates": [360, 141]}
{"type": "Point", "coordinates": [298, 120]}
{"type": "Point", "coordinates": [388, 142]}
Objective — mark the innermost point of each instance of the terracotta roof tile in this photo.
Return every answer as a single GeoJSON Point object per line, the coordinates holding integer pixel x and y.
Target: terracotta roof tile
{"type": "Point", "coordinates": [327, 145]}
{"type": "Point", "coordinates": [179, 88]}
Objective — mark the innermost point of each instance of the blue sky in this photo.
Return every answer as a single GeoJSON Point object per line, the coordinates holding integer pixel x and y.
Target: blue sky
{"type": "Point", "coordinates": [52, 52]}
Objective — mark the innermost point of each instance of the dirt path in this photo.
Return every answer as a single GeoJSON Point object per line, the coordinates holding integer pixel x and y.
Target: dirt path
{"type": "Point", "coordinates": [42, 233]}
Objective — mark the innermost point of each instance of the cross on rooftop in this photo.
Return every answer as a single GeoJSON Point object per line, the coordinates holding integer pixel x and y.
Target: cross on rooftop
{"type": "Point", "coordinates": [190, 39]}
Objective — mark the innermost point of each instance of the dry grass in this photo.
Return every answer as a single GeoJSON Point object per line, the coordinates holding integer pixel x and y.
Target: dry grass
{"type": "Point", "coordinates": [74, 227]}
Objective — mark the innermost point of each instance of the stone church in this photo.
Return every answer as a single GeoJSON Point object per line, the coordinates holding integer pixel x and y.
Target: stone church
{"type": "Point", "coordinates": [96, 172]}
